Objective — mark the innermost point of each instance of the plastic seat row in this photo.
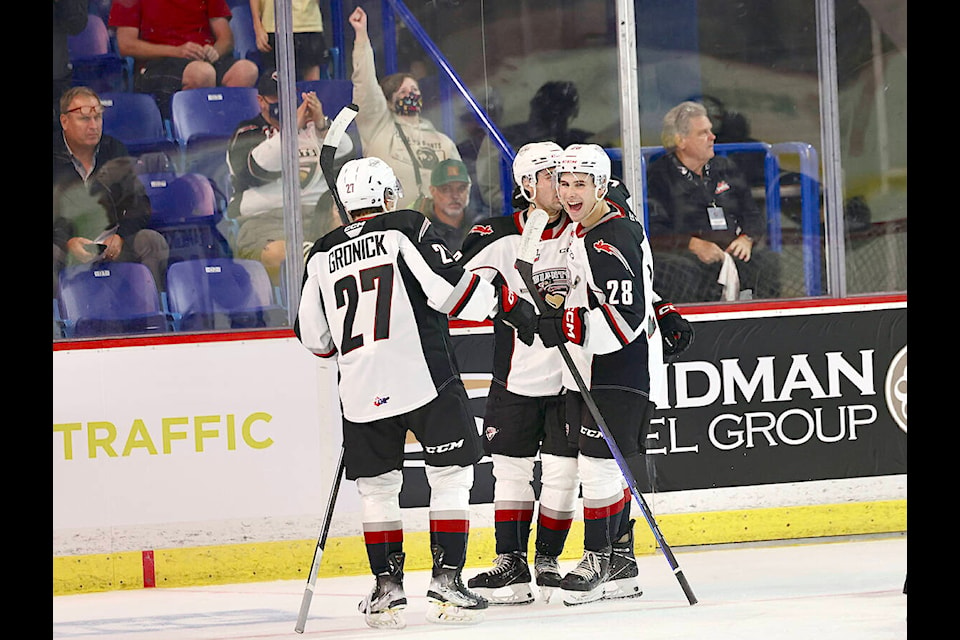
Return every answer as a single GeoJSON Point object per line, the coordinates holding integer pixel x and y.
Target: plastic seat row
{"type": "Point", "coordinates": [121, 298]}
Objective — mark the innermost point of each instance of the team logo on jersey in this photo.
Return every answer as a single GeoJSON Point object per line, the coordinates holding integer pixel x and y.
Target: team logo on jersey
{"type": "Point", "coordinates": [379, 402]}
{"type": "Point", "coordinates": [491, 432]}
{"type": "Point", "coordinates": [722, 186]}
{"type": "Point", "coordinates": [601, 246]}
{"type": "Point", "coordinates": [482, 229]}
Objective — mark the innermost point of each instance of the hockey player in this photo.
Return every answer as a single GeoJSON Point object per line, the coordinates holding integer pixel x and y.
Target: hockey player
{"type": "Point", "coordinates": [610, 327]}
{"type": "Point", "coordinates": [524, 409]}
{"type": "Point", "coordinates": [376, 296]}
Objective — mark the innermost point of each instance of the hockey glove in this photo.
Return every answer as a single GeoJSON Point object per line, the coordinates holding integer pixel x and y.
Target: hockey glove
{"type": "Point", "coordinates": [677, 333]}
{"type": "Point", "coordinates": [516, 312]}
{"type": "Point", "coordinates": [557, 326]}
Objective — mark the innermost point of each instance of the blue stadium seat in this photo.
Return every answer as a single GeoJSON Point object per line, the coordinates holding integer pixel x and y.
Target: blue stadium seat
{"type": "Point", "coordinates": [183, 209]}
{"type": "Point", "coordinates": [221, 293]}
{"type": "Point", "coordinates": [135, 120]}
{"type": "Point", "coordinates": [202, 123]}
{"type": "Point", "coordinates": [109, 298]}
{"type": "Point", "coordinates": [95, 59]}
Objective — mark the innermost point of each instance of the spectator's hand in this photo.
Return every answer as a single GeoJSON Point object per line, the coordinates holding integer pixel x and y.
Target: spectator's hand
{"type": "Point", "coordinates": [708, 252]}
{"type": "Point", "coordinates": [358, 20]}
{"type": "Point", "coordinates": [77, 247]}
{"type": "Point", "coordinates": [303, 115]}
{"type": "Point", "coordinates": [516, 312]}
{"type": "Point", "coordinates": [676, 332]}
{"type": "Point", "coordinates": [741, 247]}
{"type": "Point", "coordinates": [261, 36]}
{"type": "Point", "coordinates": [315, 110]}
{"type": "Point", "coordinates": [192, 51]}
{"type": "Point", "coordinates": [210, 54]}
{"type": "Point", "coordinates": [114, 245]}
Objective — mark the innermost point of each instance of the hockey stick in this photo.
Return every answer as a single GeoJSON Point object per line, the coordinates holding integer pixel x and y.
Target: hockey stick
{"type": "Point", "coordinates": [526, 256]}
{"type": "Point", "coordinates": [318, 552]}
{"type": "Point", "coordinates": [330, 143]}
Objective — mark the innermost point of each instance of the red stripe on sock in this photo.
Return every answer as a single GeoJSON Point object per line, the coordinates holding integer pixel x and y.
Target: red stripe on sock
{"type": "Point", "coordinates": [513, 515]}
{"type": "Point", "coordinates": [449, 526]}
{"type": "Point", "coordinates": [382, 537]}
{"type": "Point", "coordinates": [554, 524]}
{"type": "Point", "coordinates": [149, 570]}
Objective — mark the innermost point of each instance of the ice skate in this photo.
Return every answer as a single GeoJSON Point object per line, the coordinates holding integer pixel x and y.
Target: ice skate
{"type": "Point", "coordinates": [507, 583]}
{"type": "Point", "coordinates": [622, 582]}
{"type": "Point", "coordinates": [383, 607]}
{"type": "Point", "coordinates": [585, 582]}
{"type": "Point", "coordinates": [547, 570]}
{"type": "Point", "coordinates": [448, 601]}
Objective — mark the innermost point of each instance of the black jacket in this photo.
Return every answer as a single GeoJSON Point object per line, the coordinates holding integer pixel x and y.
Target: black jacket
{"type": "Point", "coordinates": [114, 183]}
{"type": "Point", "coordinates": [678, 199]}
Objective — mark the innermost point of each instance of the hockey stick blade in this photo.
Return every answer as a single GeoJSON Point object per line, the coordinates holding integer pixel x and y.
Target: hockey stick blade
{"type": "Point", "coordinates": [526, 256]}
{"type": "Point", "coordinates": [318, 551]}
{"type": "Point", "coordinates": [327, 152]}
{"type": "Point", "coordinates": [532, 230]}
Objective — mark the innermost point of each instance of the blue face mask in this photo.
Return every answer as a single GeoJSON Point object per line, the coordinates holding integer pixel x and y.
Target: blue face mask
{"type": "Point", "coordinates": [409, 104]}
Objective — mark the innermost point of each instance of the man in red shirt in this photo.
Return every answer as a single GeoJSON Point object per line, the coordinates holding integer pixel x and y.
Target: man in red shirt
{"type": "Point", "coordinates": [179, 44]}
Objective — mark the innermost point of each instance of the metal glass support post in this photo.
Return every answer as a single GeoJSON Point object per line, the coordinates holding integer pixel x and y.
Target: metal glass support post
{"type": "Point", "coordinates": [830, 138]}
{"type": "Point", "coordinates": [290, 165]}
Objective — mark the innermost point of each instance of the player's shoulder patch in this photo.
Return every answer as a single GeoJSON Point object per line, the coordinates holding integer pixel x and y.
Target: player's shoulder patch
{"type": "Point", "coordinates": [488, 230]}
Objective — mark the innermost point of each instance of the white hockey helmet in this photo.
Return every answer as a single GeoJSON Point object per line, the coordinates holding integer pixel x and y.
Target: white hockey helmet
{"type": "Point", "coordinates": [531, 158]}
{"type": "Point", "coordinates": [367, 182]}
{"type": "Point", "coordinates": [587, 158]}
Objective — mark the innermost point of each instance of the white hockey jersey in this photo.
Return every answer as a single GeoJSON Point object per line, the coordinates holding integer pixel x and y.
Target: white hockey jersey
{"type": "Point", "coordinates": [490, 250]}
{"type": "Point", "coordinates": [376, 295]}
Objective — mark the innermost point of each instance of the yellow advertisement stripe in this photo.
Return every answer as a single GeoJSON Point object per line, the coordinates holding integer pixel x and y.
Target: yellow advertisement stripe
{"type": "Point", "coordinates": [290, 560]}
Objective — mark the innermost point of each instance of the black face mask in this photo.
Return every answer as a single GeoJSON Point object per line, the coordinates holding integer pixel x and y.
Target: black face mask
{"type": "Point", "coordinates": [274, 111]}
{"type": "Point", "coordinates": [409, 104]}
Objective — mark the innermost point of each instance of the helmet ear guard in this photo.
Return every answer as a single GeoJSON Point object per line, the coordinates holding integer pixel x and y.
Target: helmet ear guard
{"type": "Point", "coordinates": [530, 159]}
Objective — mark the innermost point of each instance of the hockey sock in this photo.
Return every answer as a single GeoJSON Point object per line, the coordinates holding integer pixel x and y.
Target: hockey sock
{"type": "Point", "coordinates": [450, 512]}
{"type": "Point", "coordinates": [512, 527]}
{"type": "Point", "coordinates": [380, 514]}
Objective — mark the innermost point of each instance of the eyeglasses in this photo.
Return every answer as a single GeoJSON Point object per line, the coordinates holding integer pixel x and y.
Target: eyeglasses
{"type": "Point", "coordinates": [88, 111]}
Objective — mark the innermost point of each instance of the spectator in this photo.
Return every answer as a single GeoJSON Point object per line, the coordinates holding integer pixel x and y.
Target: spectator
{"type": "Point", "coordinates": [179, 45]}
{"type": "Point", "coordinates": [100, 208]}
{"type": "Point", "coordinates": [553, 107]}
{"type": "Point", "coordinates": [448, 206]}
{"type": "Point", "coordinates": [69, 19]}
{"type": "Point", "coordinates": [309, 45]}
{"type": "Point", "coordinates": [706, 230]}
{"type": "Point", "coordinates": [255, 160]}
{"type": "Point", "coordinates": [390, 122]}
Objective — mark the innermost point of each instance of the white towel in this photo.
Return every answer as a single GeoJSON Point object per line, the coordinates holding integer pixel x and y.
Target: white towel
{"type": "Point", "coordinates": [729, 278]}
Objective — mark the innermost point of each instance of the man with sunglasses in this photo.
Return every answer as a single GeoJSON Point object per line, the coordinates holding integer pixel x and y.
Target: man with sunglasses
{"type": "Point", "coordinates": [100, 209]}
{"type": "Point", "coordinates": [448, 206]}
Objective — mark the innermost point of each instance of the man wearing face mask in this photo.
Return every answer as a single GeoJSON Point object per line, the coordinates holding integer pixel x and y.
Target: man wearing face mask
{"type": "Point", "coordinates": [255, 159]}
{"type": "Point", "coordinates": [390, 122]}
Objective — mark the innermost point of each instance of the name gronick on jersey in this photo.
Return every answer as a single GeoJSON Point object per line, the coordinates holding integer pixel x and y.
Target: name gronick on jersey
{"type": "Point", "coordinates": [376, 295]}
{"type": "Point", "coordinates": [490, 250]}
